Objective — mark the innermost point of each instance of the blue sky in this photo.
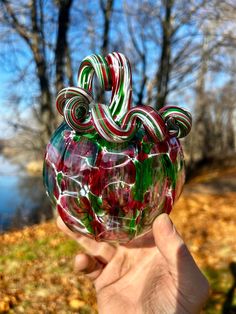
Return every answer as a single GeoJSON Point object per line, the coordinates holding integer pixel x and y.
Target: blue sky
{"type": "Point", "coordinates": [82, 47]}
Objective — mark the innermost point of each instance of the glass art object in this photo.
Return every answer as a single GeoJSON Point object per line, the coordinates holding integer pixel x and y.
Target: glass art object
{"type": "Point", "coordinates": [110, 169]}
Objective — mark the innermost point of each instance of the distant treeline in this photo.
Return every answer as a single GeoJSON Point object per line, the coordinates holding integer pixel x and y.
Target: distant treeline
{"type": "Point", "coordinates": [181, 52]}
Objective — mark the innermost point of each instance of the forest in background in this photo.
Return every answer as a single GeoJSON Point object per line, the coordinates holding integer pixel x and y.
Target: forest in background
{"type": "Point", "coordinates": [181, 52]}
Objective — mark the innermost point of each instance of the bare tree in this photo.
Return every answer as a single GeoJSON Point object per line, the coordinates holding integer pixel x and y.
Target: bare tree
{"type": "Point", "coordinates": [62, 50]}
{"type": "Point", "coordinates": [164, 66]}
{"type": "Point", "coordinates": [171, 34]}
{"type": "Point", "coordinates": [165, 41]}
{"type": "Point", "coordinates": [32, 31]}
{"type": "Point", "coordinates": [107, 8]}
{"type": "Point", "coordinates": [215, 108]}
{"type": "Point", "coordinates": [140, 47]}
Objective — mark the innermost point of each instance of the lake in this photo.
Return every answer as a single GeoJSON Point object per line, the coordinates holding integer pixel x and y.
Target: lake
{"type": "Point", "coordinates": [22, 198]}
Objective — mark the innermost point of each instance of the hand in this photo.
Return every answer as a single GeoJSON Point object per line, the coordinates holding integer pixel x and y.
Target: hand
{"type": "Point", "coordinates": [152, 274]}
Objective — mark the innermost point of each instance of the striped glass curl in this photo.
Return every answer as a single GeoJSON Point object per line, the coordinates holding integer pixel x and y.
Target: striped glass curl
{"type": "Point", "coordinates": [178, 120]}
{"type": "Point", "coordinates": [117, 121]}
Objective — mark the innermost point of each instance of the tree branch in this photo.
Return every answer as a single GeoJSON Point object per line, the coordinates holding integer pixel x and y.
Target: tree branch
{"type": "Point", "coordinates": [15, 24]}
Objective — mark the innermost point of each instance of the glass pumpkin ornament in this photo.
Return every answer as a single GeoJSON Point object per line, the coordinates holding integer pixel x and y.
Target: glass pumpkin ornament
{"type": "Point", "coordinates": [110, 170]}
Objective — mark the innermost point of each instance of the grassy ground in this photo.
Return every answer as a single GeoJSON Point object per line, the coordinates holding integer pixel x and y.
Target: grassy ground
{"type": "Point", "coordinates": [36, 274]}
{"type": "Point", "coordinates": [36, 264]}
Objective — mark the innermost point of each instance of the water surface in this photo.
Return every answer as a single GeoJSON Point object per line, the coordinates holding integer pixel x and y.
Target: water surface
{"type": "Point", "coordinates": [22, 197]}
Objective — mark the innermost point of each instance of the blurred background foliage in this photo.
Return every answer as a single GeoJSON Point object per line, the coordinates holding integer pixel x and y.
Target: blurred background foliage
{"type": "Point", "coordinates": [181, 52]}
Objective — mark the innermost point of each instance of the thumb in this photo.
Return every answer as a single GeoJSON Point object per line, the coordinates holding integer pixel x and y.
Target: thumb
{"type": "Point", "coordinates": [168, 241]}
{"type": "Point", "coordinates": [172, 247]}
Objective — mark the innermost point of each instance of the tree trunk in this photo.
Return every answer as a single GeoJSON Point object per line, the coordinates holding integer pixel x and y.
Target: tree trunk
{"type": "Point", "coordinates": [163, 73]}
{"type": "Point", "coordinates": [62, 44]}
{"type": "Point", "coordinates": [107, 11]}
{"type": "Point", "coordinates": [37, 47]}
{"type": "Point", "coordinates": [107, 8]}
{"type": "Point", "coordinates": [203, 122]}
{"type": "Point", "coordinates": [46, 111]}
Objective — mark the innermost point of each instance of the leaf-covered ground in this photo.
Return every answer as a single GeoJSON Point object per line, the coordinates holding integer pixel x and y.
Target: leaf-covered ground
{"type": "Point", "coordinates": [36, 264]}
{"type": "Point", "coordinates": [206, 217]}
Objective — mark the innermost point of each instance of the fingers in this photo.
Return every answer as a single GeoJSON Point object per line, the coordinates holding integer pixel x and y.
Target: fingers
{"type": "Point", "coordinates": [89, 265]}
{"type": "Point", "coordinates": [62, 226]}
{"type": "Point", "coordinates": [102, 251]}
{"type": "Point", "coordinates": [169, 242]}
{"type": "Point", "coordinates": [85, 262]}
{"type": "Point", "coordinates": [177, 255]}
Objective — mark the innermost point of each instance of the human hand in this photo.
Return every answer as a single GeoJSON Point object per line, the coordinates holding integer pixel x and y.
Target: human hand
{"type": "Point", "coordinates": [152, 274]}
